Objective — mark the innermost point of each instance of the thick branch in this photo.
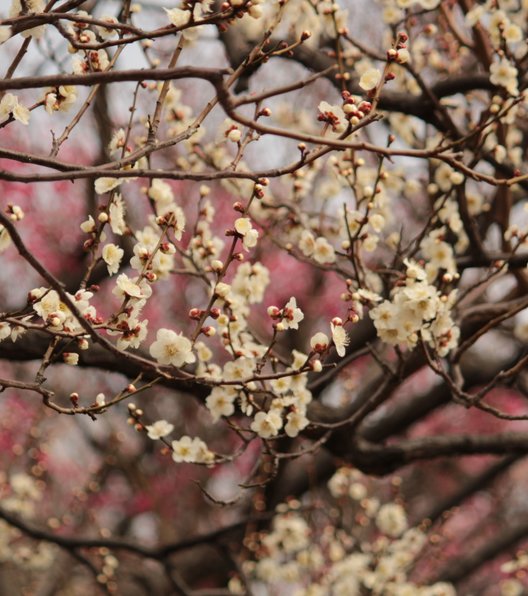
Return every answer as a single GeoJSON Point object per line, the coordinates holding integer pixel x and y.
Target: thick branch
{"type": "Point", "coordinates": [213, 75]}
{"type": "Point", "coordinates": [506, 539]}
{"type": "Point", "coordinates": [379, 459]}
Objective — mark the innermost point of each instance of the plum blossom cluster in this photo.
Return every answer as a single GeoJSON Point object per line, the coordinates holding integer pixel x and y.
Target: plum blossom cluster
{"type": "Point", "coordinates": [417, 310]}
{"type": "Point", "coordinates": [184, 450]}
{"type": "Point", "coordinates": [305, 555]}
{"type": "Point", "coordinates": [287, 411]}
{"type": "Point", "coordinates": [396, 205]}
{"type": "Point", "coordinates": [22, 496]}
{"type": "Point", "coordinates": [47, 304]}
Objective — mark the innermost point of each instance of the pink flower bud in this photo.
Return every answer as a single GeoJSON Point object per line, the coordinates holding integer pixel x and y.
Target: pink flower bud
{"type": "Point", "coordinates": [195, 313]}
{"type": "Point", "coordinates": [319, 342]}
{"type": "Point", "coordinates": [274, 312]}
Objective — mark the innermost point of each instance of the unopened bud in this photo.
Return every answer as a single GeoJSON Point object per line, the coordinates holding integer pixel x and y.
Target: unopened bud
{"type": "Point", "coordinates": [234, 135]}
{"type": "Point", "coordinates": [316, 365]}
{"type": "Point", "coordinates": [71, 358]}
{"type": "Point", "coordinates": [274, 312]}
{"type": "Point", "coordinates": [82, 343]}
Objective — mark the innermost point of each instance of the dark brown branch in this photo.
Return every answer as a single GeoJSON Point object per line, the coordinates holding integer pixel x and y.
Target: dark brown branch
{"type": "Point", "coordinates": [503, 540]}
{"type": "Point", "coordinates": [472, 486]}
{"type": "Point", "coordinates": [383, 459]}
{"type": "Point", "coordinates": [213, 75]}
{"type": "Point", "coordinates": [158, 553]}
{"type": "Point", "coordinates": [32, 346]}
{"type": "Point", "coordinates": [516, 261]}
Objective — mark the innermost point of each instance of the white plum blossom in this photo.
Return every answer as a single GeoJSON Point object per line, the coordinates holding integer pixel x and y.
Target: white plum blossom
{"type": "Point", "coordinates": [132, 331]}
{"type": "Point", "coordinates": [177, 16]}
{"type": "Point", "coordinates": [333, 115]}
{"type": "Point", "coordinates": [281, 385]}
{"type": "Point", "coordinates": [296, 421]}
{"type": "Point", "coordinates": [290, 531]}
{"type": "Point", "coordinates": [5, 239]}
{"type": "Point", "coordinates": [220, 402]}
{"type": "Point", "coordinates": [159, 429]}
{"type": "Point", "coordinates": [116, 211]}
{"type": "Point", "coordinates": [267, 424]}
{"type": "Point", "coordinates": [5, 330]}
{"type": "Point", "coordinates": [191, 450]}
{"type": "Point", "coordinates": [392, 520]}
{"type": "Point", "coordinates": [5, 33]}
{"type": "Point", "coordinates": [171, 348]}
{"type": "Point", "coordinates": [117, 142]}
{"type": "Point", "coordinates": [60, 99]}
{"type": "Point", "coordinates": [203, 352]}
{"type": "Point", "coordinates": [370, 79]}
{"type": "Point", "coordinates": [245, 229]}
{"type": "Point", "coordinates": [88, 226]}
{"type": "Point", "coordinates": [439, 255]}
{"type": "Point", "coordinates": [160, 192]}
{"type": "Point", "coordinates": [417, 309]}
{"type": "Point", "coordinates": [134, 336]}
{"type": "Point", "coordinates": [112, 256]}
{"type": "Point", "coordinates": [251, 281]}
{"type": "Point", "coordinates": [340, 338]}
{"type": "Point", "coordinates": [24, 486]}
{"type": "Point", "coordinates": [504, 74]}
{"type": "Point", "coordinates": [126, 286]}
{"type": "Point", "coordinates": [292, 315]}
{"type": "Point", "coordinates": [243, 225]}
{"type": "Point", "coordinates": [10, 106]}
{"type": "Point", "coordinates": [106, 184]}
{"type": "Point", "coordinates": [250, 239]}
{"type": "Point", "coordinates": [239, 369]}
{"type": "Point", "coordinates": [323, 251]}
{"type": "Point", "coordinates": [307, 243]}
